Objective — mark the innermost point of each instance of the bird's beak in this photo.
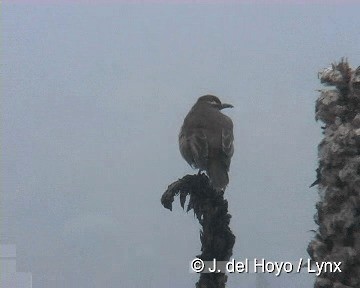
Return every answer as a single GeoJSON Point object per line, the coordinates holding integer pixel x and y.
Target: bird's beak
{"type": "Point", "coordinates": [225, 105]}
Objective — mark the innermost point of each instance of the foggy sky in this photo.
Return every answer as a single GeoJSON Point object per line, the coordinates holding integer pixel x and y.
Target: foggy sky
{"type": "Point", "coordinates": [93, 99]}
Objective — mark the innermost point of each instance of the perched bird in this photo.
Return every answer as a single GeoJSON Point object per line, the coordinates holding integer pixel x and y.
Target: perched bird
{"type": "Point", "coordinates": [206, 139]}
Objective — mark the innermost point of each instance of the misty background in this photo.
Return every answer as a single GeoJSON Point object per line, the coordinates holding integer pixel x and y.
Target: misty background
{"type": "Point", "coordinates": [93, 99]}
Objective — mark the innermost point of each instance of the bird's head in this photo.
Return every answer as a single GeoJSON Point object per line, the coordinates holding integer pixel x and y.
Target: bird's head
{"type": "Point", "coordinates": [213, 101]}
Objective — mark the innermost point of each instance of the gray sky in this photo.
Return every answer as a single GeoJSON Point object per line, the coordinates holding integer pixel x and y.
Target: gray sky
{"type": "Point", "coordinates": [94, 97]}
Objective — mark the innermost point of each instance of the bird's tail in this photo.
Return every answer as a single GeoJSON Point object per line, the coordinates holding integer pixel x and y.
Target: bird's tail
{"type": "Point", "coordinates": [218, 175]}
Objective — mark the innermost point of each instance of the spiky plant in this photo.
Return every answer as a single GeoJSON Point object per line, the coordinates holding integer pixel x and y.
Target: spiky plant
{"type": "Point", "coordinates": [211, 210]}
{"type": "Point", "coordinates": [338, 210]}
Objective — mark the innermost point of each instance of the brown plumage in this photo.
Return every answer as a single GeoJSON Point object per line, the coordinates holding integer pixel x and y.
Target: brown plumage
{"type": "Point", "coordinates": [206, 139]}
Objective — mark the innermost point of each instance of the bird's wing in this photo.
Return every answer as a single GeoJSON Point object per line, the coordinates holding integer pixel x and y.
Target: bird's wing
{"type": "Point", "coordinates": [227, 141]}
{"type": "Point", "coordinates": [194, 148]}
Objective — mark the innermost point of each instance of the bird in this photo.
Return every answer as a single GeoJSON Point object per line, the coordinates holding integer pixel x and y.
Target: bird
{"type": "Point", "coordinates": [206, 140]}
